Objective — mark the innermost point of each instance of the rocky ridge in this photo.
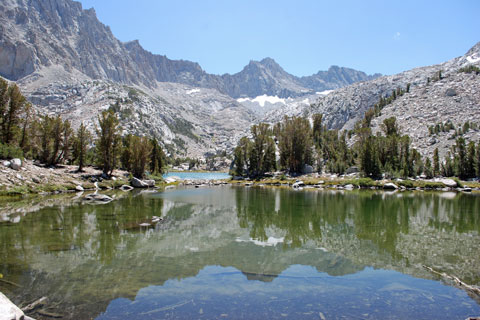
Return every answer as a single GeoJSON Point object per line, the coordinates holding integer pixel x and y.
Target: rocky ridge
{"type": "Point", "coordinates": [426, 104]}
{"type": "Point", "coordinates": [38, 34]}
{"type": "Point", "coordinates": [195, 120]}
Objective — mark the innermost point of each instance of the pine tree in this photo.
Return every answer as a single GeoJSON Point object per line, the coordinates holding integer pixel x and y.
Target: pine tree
{"type": "Point", "coordinates": [262, 152]}
{"type": "Point", "coordinates": [460, 159]}
{"type": "Point", "coordinates": [68, 141]}
{"type": "Point", "coordinates": [13, 106]}
{"type": "Point", "coordinates": [428, 169]}
{"type": "Point", "coordinates": [470, 162]}
{"type": "Point", "coordinates": [46, 142]}
{"type": "Point", "coordinates": [56, 132]}
{"type": "Point", "coordinates": [447, 166]}
{"type": "Point", "coordinates": [108, 141]}
{"type": "Point", "coordinates": [477, 161]}
{"type": "Point", "coordinates": [241, 153]}
{"type": "Point", "coordinates": [141, 151]}
{"type": "Point", "coordinates": [81, 141]}
{"type": "Point", "coordinates": [157, 158]}
{"type": "Point", "coordinates": [369, 161]}
{"type": "Point", "coordinates": [295, 144]}
{"type": "Point", "coordinates": [436, 163]}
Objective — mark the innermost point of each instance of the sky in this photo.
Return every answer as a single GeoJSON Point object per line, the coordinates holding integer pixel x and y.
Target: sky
{"type": "Point", "coordinates": [303, 36]}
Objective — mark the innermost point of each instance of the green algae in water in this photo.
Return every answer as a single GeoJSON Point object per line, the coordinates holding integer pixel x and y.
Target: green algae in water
{"type": "Point", "coordinates": [230, 252]}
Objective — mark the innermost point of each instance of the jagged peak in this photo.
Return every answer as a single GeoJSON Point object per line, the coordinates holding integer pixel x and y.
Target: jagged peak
{"type": "Point", "coordinates": [133, 43]}
{"type": "Point", "coordinates": [474, 49]}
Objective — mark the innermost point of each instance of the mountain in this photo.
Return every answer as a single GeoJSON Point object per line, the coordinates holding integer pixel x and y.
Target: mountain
{"type": "Point", "coordinates": [67, 62]}
{"type": "Point", "coordinates": [37, 34]}
{"type": "Point", "coordinates": [454, 96]}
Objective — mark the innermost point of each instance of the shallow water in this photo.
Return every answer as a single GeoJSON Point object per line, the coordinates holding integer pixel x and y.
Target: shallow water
{"type": "Point", "coordinates": [198, 175]}
{"type": "Point", "coordinates": [248, 253]}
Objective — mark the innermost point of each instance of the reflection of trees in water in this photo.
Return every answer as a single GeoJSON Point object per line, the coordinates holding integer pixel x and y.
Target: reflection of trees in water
{"type": "Point", "coordinates": [377, 217]}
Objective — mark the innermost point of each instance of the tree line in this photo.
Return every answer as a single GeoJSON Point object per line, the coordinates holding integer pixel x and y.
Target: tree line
{"type": "Point", "coordinates": [51, 140]}
{"type": "Point", "coordinates": [294, 143]}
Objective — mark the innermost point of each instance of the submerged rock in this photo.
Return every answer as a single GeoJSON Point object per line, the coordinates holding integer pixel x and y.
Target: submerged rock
{"type": "Point", "coordinates": [103, 198]}
{"type": "Point", "coordinates": [126, 188]}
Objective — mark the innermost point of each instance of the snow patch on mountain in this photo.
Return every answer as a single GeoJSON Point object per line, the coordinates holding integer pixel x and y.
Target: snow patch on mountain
{"type": "Point", "coordinates": [473, 58]}
{"type": "Point", "coordinates": [261, 100]}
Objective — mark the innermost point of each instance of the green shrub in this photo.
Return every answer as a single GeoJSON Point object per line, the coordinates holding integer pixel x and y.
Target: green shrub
{"type": "Point", "coordinates": [9, 152]}
{"type": "Point", "coordinates": [470, 69]}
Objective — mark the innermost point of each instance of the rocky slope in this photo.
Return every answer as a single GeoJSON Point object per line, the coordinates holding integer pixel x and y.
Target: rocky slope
{"type": "Point", "coordinates": [426, 104]}
{"type": "Point", "coordinates": [192, 120]}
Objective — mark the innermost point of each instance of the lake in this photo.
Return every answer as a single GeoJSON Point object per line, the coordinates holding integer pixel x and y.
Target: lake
{"type": "Point", "coordinates": [247, 253]}
{"type": "Point", "coordinates": [186, 175]}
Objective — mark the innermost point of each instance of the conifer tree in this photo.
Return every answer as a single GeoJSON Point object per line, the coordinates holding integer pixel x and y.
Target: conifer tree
{"type": "Point", "coordinates": [141, 151]}
{"type": "Point", "coordinates": [262, 153]}
{"type": "Point", "coordinates": [157, 157]}
{"type": "Point", "coordinates": [477, 160]}
{"type": "Point", "coordinates": [470, 170]}
{"type": "Point", "coordinates": [81, 142]}
{"type": "Point", "coordinates": [13, 106]}
{"type": "Point", "coordinates": [108, 141]}
{"type": "Point", "coordinates": [436, 163]}
{"type": "Point", "coordinates": [369, 161]}
{"type": "Point", "coordinates": [428, 169]}
{"type": "Point", "coordinates": [241, 154]}
{"type": "Point", "coordinates": [295, 144]}
{"type": "Point", "coordinates": [460, 158]}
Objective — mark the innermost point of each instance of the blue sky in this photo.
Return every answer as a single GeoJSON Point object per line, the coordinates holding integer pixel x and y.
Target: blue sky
{"type": "Point", "coordinates": [302, 36]}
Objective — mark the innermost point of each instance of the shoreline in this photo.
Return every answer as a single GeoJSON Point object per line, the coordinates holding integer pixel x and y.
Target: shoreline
{"type": "Point", "coordinates": [325, 182]}
{"type": "Point", "coordinates": [32, 179]}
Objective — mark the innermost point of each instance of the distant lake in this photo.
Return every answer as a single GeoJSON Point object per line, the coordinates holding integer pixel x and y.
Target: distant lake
{"type": "Point", "coordinates": [198, 175]}
{"type": "Point", "coordinates": [231, 252]}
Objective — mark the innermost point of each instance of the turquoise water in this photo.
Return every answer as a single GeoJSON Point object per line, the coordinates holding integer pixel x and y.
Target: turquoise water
{"type": "Point", "coordinates": [198, 175]}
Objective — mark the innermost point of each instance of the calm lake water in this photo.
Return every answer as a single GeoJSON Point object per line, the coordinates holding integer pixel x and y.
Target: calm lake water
{"type": "Point", "coordinates": [198, 175]}
{"type": "Point", "coordinates": [247, 253]}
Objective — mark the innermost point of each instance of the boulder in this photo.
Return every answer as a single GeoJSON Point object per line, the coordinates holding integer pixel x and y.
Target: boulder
{"type": "Point", "coordinates": [450, 92]}
{"type": "Point", "coordinates": [349, 187]}
{"type": "Point", "coordinates": [79, 188]}
{"type": "Point", "coordinates": [307, 169]}
{"type": "Point", "coordinates": [6, 163]}
{"type": "Point", "coordinates": [9, 311]}
{"type": "Point", "coordinates": [150, 183]}
{"type": "Point", "coordinates": [138, 183]}
{"type": "Point", "coordinates": [16, 164]}
{"type": "Point", "coordinates": [390, 186]}
{"type": "Point", "coordinates": [448, 182]}
{"type": "Point", "coordinates": [298, 184]}
{"type": "Point", "coordinates": [351, 170]}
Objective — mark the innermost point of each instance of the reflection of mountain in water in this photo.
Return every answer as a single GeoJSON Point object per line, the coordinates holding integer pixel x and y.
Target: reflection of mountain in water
{"type": "Point", "coordinates": [104, 258]}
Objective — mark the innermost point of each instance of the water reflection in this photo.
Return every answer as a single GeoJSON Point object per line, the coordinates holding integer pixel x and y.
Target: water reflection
{"type": "Point", "coordinates": [83, 257]}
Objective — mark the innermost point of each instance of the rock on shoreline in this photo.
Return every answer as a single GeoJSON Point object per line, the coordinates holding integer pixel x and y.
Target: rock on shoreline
{"type": "Point", "coordinates": [9, 311]}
